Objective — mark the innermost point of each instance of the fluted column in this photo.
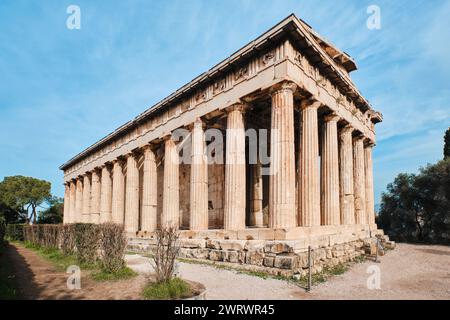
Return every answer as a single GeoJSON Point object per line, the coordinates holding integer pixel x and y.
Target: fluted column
{"type": "Point", "coordinates": [199, 179]}
{"type": "Point", "coordinates": [106, 195]}
{"type": "Point", "coordinates": [73, 191]}
{"type": "Point", "coordinates": [330, 209]}
{"type": "Point", "coordinates": [66, 218]}
{"type": "Point", "coordinates": [359, 180]}
{"type": "Point", "coordinates": [282, 166]}
{"type": "Point", "coordinates": [149, 192]}
{"type": "Point", "coordinates": [234, 206]}
{"type": "Point", "coordinates": [132, 195]}
{"type": "Point", "coordinates": [309, 184]}
{"type": "Point", "coordinates": [347, 198]}
{"type": "Point", "coordinates": [95, 197]}
{"type": "Point", "coordinates": [118, 193]}
{"type": "Point", "coordinates": [79, 200]}
{"type": "Point", "coordinates": [86, 199]}
{"type": "Point", "coordinates": [257, 218]}
{"type": "Point", "coordinates": [368, 170]}
{"type": "Point", "coordinates": [171, 189]}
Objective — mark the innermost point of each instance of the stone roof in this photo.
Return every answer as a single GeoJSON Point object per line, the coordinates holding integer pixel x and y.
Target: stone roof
{"type": "Point", "coordinates": [334, 63]}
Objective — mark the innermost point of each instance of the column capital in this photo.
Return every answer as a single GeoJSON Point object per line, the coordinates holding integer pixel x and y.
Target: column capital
{"type": "Point", "coordinates": [149, 147]}
{"type": "Point", "coordinates": [198, 123]}
{"type": "Point", "coordinates": [347, 129]}
{"type": "Point", "coordinates": [331, 117]}
{"type": "Point", "coordinates": [118, 160]}
{"type": "Point", "coordinates": [359, 136]}
{"type": "Point", "coordinates": [237, 106]}
{"type": "Point", "coordinates": [310, 103]}
{"type": "Point", "coordinates": [283, 87]}
{"type": "Point", "coordinates": [369, 144]}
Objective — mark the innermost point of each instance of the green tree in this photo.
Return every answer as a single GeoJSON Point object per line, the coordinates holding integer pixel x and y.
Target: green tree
{"type": "Point", "coordinates": [24, 195]}
{"type": "Point", "coordinates": [447, 144]}
{"type": "Point", "coordinates": [417, 207]}
{"type": "Point", "coordinates": [54, 213]}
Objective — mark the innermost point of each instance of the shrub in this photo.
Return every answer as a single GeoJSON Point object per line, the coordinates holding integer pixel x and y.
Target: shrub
{"type": "Point", "coordinates": [31, 235]}
{"type": "Point", "coordinates": [50, 235]}
{"type": "Point", "coordinates": [2, 231]}
{"type": "Point", "coordinates": [14, 232]}
{"type": "Point", "coordinates": [113, 245]}
{"type": "Point", "coordinates": [166, 251]}
{"type": "Point", "coordinates": [174, 288]}
{"type": "Point", "coordinates": [67, 235]}
{"type": "Point", "coordinates": [87, 238]}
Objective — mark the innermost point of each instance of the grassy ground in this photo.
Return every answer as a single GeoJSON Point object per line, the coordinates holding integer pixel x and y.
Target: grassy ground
{"type": "Point", "coordinates": [62, 262]}
{"type": "Point", "coordinates": [175, 288]}
{"type": "Point", "coordinates": [7, 282]}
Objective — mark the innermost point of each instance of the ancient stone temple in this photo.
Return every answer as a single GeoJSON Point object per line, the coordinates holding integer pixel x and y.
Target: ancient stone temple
{"type": "Point", "coordinates": [265, 154]}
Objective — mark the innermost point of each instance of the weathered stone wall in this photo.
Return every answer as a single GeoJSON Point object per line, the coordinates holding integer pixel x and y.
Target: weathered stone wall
{"type": "Point", "coordinates": [278, 257]}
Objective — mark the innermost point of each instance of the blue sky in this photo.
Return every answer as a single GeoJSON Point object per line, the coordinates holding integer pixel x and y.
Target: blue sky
{"type": "Point", "coordinates": [61, 90]}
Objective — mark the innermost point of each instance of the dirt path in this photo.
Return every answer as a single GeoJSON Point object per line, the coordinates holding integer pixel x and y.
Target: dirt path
{"type": "Point", "coordinates": [37, 278]}
{"type": "Point", "coordinates": [408, 272]}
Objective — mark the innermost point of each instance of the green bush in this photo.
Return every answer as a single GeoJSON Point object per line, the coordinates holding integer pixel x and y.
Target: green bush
{"type": "Point", "coordinates": [174, 288]}
{"type": "Point", "coordinates": [2, 231]}
{"type": "Point", "coordinates": [14, 232]}
{"type": "Point", "coordinates": [113, 244]}
{"type": "Point", "coordinates": [87, 240]}
{"type": "Point", "coordinates": [67, 235]}
{"type": "Point", "coordinates": [50, 234]}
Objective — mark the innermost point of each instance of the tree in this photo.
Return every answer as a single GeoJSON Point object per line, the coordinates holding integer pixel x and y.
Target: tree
{"type": "Point", "coordinates": [447, 144]}
{"type": "Point", "coordinates": [25, 195]}
{"type": "Point", "coordinates": [54, 213]}
{"type": "Point", "coordinates": [417, 207]}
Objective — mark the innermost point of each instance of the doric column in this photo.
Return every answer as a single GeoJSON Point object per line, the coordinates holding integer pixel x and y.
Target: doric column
{"type": "Point", "coordinates": [359, 180]}
{"type": "Point", "coordinates": [132, 195]}
{"type": "Point", "coordinates": [73, 191]}
{"type": "Point", "coordinates": [86, 199]}
{"type": "Point", "coordinates": [118, 193]}
{"type": "Point", "coordinates": [106, 195]}
{"type": "Point", "coordinates": [79, 200]}
{"type": "Point", "coordinates": [330, 210]}
{"type": "Point", "coordinates": [257, 218]}
{"type": "Point", "coordinates": [95, 197]}
{"type": "Point", "coordinates": [368, 170]}
{"type": "Point", "coordinates": [346, 176]}
{"type": "Point", "coordinates": [199, 179]}
{"type": "Point", "coordinates": [234, 206]}
{"type": "Point", "coordinates": [66, 218]}
{"type": "Point", "coordinates": [282, 167]}
{"type": "Point", "coordinates": [309, 187]}
{"type": "Point", "coordinates": [171, 189]}
{"type": "Point", "coordinates": [149, 192]}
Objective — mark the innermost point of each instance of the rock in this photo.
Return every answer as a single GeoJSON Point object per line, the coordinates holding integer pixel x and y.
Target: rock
{"type": "Point", "coordinates": [389, 245]}
{"type": "Point", "coordinates": [286, 262]}
{"type": "Point", "coordinates": [232, 256]}
{"type": "Point", "coordinates": [302, 259]}
{"type": "Point", "coordinates": [216, 255]}
{"type": "Point", "coordinates": [255, 258]}
{"type": "Point", "coordinates": [192, 243]}
{"type": "Point", "coordinates": [213, 244]}
{"type": "Point", "coordinates": [255, 245]}
{"type": "Point", "coordinates": [277, 247]}
{"type": "Point", "coordinates": [269, 261]}
{"type": "Point", "coordinates": [236, 245]}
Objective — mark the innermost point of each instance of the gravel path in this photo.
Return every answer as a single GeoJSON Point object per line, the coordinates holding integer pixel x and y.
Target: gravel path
{"type": "Point", "coordinates": [408, 272]}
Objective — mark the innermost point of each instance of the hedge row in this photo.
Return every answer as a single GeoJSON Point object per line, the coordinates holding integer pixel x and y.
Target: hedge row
{"type": "Point", "coordinates": [2, 231]}
{"type": "Point", "coordinates": [14, 232]}
{"type": "Point", "coordinates": [91, 243]}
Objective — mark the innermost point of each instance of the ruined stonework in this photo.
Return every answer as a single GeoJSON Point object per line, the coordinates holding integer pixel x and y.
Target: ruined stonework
{"type": "Point", "coordinates": [272, 144]}
{"type": "Point", "coordinates": [276, 257]}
